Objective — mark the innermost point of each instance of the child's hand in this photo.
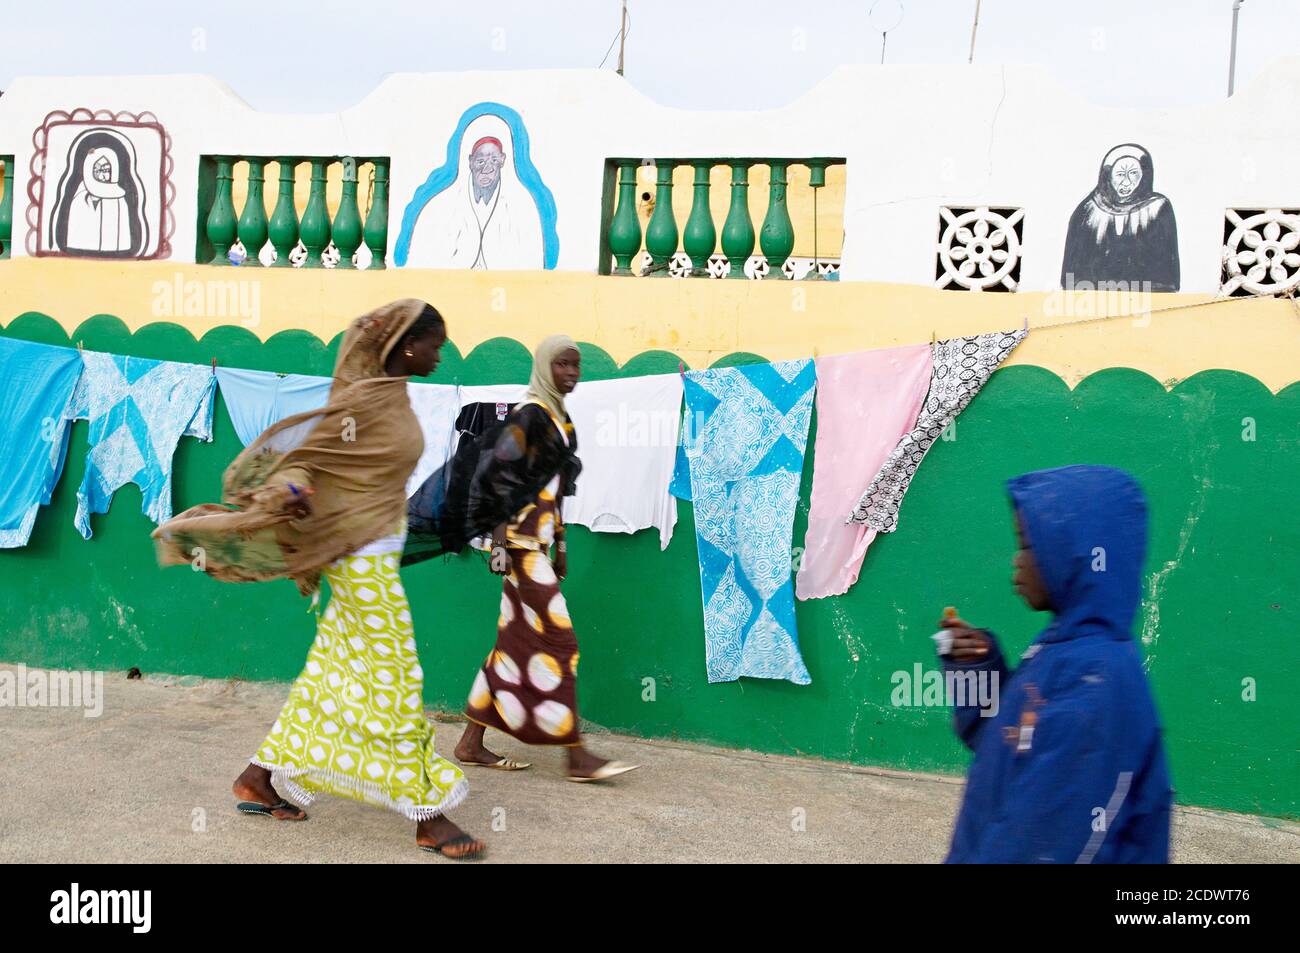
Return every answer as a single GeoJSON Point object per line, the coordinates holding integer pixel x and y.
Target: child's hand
{"type": "Point", "coordinates": [968, 644]}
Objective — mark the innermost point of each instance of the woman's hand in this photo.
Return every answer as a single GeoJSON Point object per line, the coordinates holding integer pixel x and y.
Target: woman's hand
{"type": "Point", "coordinates": [561, 564]}
{"type": "Point", "coordinates": [969, 644]}
{"type": "Point", "coordinates": [287, 498]}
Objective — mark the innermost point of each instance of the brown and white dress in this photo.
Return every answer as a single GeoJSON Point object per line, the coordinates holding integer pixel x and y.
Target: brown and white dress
{"type": "Point", "coordinates": [528, 685]}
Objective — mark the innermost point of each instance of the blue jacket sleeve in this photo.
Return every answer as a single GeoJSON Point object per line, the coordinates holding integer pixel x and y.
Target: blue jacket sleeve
{"type": "Point", "coordinates": [967, 721]}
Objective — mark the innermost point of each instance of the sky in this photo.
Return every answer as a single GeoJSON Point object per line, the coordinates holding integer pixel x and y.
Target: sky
{"type": "Point", "coordinates": [693, 54]}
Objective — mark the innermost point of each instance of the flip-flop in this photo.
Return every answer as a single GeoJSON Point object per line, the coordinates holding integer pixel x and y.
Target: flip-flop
{"type": "Point", "coordinates": [610, 769]}
{"type": "Point", "coordinates": [454, 842]}
{"type": "Point", "coordinates": [504, 764]}
{"type": "Point", "coordinates": [253, 807]}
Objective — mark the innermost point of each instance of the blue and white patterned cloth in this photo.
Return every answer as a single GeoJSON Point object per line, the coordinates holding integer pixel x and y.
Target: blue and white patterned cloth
{"type": "Point", "coordinates": [36, 383]}
{"type": "Point", "coordinates": [138, 411]}
{"type": "Point", "coordinates": [744, 437]}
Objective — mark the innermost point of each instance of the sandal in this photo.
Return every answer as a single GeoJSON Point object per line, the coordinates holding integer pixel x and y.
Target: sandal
{"type": "Point", "coordinates": [454, 842]}
{"type": "Point", "coordinates": [504, 764]}
{"type": "Point", "coordinates": [610, 769]}
{"type": "Point", "coordinates": [253, 807]}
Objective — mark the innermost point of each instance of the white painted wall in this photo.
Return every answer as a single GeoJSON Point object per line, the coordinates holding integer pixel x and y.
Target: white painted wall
{"type": "Point", "coordinates": [915, 137]}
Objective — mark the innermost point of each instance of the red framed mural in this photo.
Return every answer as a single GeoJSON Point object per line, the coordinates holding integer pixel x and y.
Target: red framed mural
{"type": "Point", "coordinates": [100, 186]}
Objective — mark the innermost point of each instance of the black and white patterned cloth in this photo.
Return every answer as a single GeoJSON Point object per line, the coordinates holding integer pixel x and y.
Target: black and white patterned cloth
{"type": "Point", "coordinates": [961, 368]}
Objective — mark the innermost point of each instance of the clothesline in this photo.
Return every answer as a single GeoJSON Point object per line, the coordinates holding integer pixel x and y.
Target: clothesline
{"type": "Point", "coordinates": [1289, 295]}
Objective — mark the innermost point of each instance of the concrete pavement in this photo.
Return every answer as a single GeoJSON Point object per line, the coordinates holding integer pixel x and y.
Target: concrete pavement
{"type": "Point", "coordinates": [149, 781]}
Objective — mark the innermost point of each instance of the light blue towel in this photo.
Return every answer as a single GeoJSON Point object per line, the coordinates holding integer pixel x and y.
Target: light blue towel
{"type": "Point", "coordinates": [138, 411]}
{"type": "Point", "coordinates": [258, 399]}
{"type": "Point", "coordinates": [36, 384]}
{"type": "Point", "coordinates": [744, 438]}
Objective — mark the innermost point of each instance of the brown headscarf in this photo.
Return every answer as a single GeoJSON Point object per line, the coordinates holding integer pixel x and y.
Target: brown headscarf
{"type": "Point", "coordinates": [354, 462]}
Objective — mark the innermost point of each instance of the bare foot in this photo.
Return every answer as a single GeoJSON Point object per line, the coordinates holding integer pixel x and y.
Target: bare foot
{"type": "Point", "coordinates": [440, 835]}
{"type": "Point", "coordinates": [254, 784]}
{"type": "Point", "coordinates": [470, 748]}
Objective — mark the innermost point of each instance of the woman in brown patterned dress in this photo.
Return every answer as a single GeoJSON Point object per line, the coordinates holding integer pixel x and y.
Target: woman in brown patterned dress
{"type": "Point", "coordinates": [528, 685]}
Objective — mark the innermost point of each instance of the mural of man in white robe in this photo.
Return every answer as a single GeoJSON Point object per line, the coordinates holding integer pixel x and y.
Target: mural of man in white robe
{"type": "Point", "coordinates": [486, 218]}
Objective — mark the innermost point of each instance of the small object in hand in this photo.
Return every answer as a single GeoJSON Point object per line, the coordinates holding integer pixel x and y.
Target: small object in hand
{"type": "Point", "coordinates": [943, 638]}
{"type": "Point", "coordinates": [134, 673]}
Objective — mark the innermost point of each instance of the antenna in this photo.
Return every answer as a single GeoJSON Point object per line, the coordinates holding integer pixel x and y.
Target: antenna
{"type": "Point", "coordinates": [1232, 52]}
{"type": "Point", "coordinates": [622, 35]}
{"type": "Point", "coordinates": [973, 27]}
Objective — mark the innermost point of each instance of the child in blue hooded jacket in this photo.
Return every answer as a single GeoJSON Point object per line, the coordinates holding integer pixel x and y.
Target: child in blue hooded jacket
{"type": "Point", "coordinates": [1071, 768]}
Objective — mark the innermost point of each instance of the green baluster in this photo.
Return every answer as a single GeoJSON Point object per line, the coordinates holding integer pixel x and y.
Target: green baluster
{"type": "Point", "coordinates": [661, 233]}
{"type": "Point", "coordinates": [738, 230]}
{"type": "Point", "coordinates": [624, 228]}
{"type": "Point", "coordinates": [7, 209]}
{"type": "Point", "coordinates": [315, 231]}
{"type": "Point", "coordinates": [347, 220]}
{"type": "Point", "coordinates": [284, 218]}
{"type": "Point", "coordinates": [816, 180]}
{"type": "Point", "coordinates": [700, 237]}
{"type": "Point", "coordinates": [377, 219]}
{"type": "Point", "coordinates": [252, 223]}
{"type": "Point", "coordinates": [222, 227]}
{"type": "Point", "coordinates": [777, 234]}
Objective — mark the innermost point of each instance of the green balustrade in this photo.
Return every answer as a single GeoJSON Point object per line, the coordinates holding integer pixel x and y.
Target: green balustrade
{"type": "Point", "coordinates": [738, 230]}
{"type": "Point", "coordinates": [816, 181]}
{"type": "Point", "coordinates": [283, 230]}
{"type": "Point", "coordinates": [700, 237]}
{"type": "Point", "coordinates": [776, 237]}
{"type": "Point", "coordinates": [7, 208]}
{"type": "Point", "coordinates": [315, 230]}
{"type": "Point", "coordinates": [252, 223]}
{"type": "Point", "coordinates": [661, 232]}
{"type": "Point", "coordinates": [347, 220]}
{"type": "Point", "coordinates": [625, 228]}
{"type": "Point", "coordinates": [221, 225]}
{"type": "Point", "coordinates": [376, 231]}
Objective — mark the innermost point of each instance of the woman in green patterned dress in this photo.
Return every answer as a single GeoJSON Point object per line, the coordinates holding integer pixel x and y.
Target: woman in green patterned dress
{"type": "Point", "coordinates": [354, 722]}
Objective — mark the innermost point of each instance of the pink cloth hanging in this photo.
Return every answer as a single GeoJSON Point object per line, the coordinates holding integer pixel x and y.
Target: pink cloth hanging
{"type": "Point", "coordinates": [866, 402]}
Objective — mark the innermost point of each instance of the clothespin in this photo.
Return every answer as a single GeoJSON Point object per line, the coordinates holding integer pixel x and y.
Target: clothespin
{"type": "Point", "coordinates": [933, 338]}
{"type": "Point", "coordinates": [1026, 327]}
{"type": "Point", "coordinates": [681, 369]}
{"type": "Point", "coordinates": [214, 367]}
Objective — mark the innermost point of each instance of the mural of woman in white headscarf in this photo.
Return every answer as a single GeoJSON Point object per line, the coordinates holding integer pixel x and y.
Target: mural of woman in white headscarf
{"type": "Point", "coordinates": [99, 204]}
{"type": "Point", "coordinates": [1125, 230]}
{"type": "Point", "coordinates": [486, 207]}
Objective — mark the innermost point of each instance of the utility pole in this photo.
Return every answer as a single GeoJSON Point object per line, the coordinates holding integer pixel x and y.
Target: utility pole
{"type": "Point", "coordinates": [1232, 53]}
{"type": "Point", "coordinates": [973, 27]}
{"type": "Point", "coordinates": [622, 35]}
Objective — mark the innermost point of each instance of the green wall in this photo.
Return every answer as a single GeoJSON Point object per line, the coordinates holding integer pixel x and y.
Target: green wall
{"type": "Point", "coordinates": [1225, 534]}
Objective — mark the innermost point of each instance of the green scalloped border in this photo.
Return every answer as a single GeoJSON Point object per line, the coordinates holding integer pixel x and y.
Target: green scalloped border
{"type": "Point", "coordinates": [499, 360]}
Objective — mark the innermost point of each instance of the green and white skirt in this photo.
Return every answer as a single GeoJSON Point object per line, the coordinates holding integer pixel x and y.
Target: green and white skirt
{"type": "Point", "coordinates": [354, 722]}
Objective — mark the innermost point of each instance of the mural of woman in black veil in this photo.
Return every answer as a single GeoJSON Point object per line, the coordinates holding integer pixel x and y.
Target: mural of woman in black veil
{"type": "Point", "coordinates": [99, 205]}
{"type": "Point", "coordinates": [1125, 230]}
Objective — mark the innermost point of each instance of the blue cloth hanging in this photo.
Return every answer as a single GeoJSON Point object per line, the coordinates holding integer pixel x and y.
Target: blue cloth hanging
{"type": "Point", "coordinates": [258, 399]}
{"type": "Point", "coordinates": [138, 410]}
{"type": "Point", "coordinates": [744, 438]}
{"type": "Point", "coordinates": [36, 383]}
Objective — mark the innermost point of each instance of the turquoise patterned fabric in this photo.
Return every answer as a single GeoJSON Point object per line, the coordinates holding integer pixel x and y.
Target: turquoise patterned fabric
{"type": "Point", "coordinates": [138, 411]}
{"type": "Point", "coordinates": [744, 437]}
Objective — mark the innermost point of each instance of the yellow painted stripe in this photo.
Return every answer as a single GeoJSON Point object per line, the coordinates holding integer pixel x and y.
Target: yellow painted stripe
{"type": "Point", "coordinates": [699, 320]}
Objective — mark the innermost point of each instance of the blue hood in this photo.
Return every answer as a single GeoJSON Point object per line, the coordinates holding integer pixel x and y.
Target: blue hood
{"type": "Point", "coordinates": [1073, 517]}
